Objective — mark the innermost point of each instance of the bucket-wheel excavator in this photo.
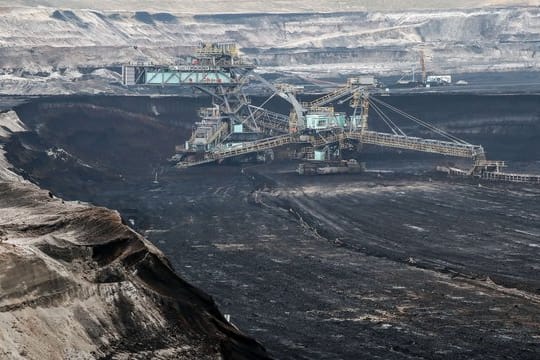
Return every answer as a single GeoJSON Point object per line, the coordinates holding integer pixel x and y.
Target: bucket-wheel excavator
{"type": "Point", "coordinates": [234, 127]}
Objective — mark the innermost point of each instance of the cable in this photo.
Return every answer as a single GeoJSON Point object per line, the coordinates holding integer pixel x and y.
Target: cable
{"type": "Point", "coordinates": [416, 120]}
{"type": "Point", "coordinates": [386, 119]}
{"type": "Point", "coordinates": [421, 122]}
{"type": "Point", "coordinates": [267, 100]}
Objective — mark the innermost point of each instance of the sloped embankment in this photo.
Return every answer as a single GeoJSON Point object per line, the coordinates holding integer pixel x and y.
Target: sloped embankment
{"type": "Point", "coordinates": [76, 282]}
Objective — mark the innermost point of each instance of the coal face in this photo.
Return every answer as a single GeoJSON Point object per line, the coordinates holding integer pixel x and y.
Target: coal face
{"type": "Point", "coordinates": [402, 265]}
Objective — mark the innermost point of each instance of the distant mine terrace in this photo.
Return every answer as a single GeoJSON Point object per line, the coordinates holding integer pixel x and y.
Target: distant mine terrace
{"type": "Point", "coordinates": [233, 127]}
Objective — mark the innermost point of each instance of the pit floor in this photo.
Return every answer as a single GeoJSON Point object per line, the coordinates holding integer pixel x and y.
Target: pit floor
{"type": "Point", "coordinates": [372, 266]}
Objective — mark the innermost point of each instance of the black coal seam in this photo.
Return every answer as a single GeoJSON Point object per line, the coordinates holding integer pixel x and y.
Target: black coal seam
{"type": "Point", "coordinates": [309, 223]}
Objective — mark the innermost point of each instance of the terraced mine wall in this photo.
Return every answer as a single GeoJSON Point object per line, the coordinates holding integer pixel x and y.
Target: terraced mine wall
{"type": "Point", "coordinates": [335, 41]}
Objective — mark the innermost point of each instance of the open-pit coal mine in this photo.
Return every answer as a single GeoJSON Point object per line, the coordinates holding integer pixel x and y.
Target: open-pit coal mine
{"type": "Point", "coordinates": [404, 263]}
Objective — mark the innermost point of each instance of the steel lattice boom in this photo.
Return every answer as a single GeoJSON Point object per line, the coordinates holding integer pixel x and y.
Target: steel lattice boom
{"type": "Point", "coordinates": [235, 127]}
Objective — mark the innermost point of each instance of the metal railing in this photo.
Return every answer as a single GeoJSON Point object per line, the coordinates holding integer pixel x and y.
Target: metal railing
{"type": "Point", "coordinates": [252, 146]}
{"type": "Point", "coordinates": [418, 144]}
{"type": "Point", "coordinates": [270, 120]}
{"type": "Point", "coordinates": [522, 178]}
{"type": "Point", "coordinates": [336, 94]}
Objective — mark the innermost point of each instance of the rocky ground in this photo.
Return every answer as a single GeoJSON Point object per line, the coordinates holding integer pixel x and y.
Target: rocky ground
{"type": "Point", "coordinates": [392, 265]}
{"type": "Point", "coordinates": [76, 282]}
{"type": "Point", "coordinates": [387, 267]}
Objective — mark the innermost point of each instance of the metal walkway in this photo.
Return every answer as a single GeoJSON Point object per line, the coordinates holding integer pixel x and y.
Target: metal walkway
{"type": "Point", "coordinates": [418, 144]}
{"type": "Point", "coordinates": [336, 94]}
{"type": "Point", "coordinates": [365, 137]}
{"type": "Point", "coordinates": [244, 148]}
{"type": "Point", "coordinates": [252, 146]}
{"type": "Point", "coordinates": [186, 164]}
{"type": "Point", "coordinates": [270, 120]}
{"type": "Point", "coordinates": [510, 177]}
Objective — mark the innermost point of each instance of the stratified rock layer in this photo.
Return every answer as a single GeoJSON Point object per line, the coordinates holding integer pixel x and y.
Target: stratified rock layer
{"type": "Point", "coordinates": [55, 50]}
{"type": "Point", "coordinates": [76, 283]}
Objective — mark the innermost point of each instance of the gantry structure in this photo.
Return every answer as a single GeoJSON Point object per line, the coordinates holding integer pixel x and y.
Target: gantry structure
{"type": "Point", "coordinates": [233, 127]}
